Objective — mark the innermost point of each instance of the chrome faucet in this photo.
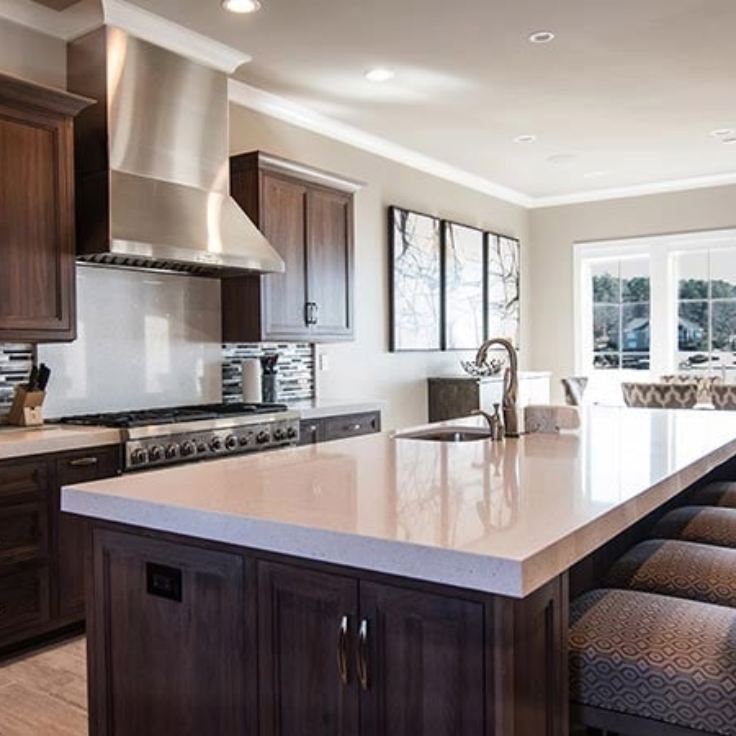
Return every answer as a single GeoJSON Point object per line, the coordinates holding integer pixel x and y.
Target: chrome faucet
{"type": "Point", "coordinates": [510, 383]}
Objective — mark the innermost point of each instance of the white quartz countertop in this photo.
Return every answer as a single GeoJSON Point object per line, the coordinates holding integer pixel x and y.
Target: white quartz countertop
{"type": "Point", "coordinates": [22, 441]}
{"type": "Point", "coordinates": [502, 517]}
{"type": "Point", "coordinates": [318, 408]}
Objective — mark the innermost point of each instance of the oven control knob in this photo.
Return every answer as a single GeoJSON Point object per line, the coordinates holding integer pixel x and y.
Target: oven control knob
{"type": "Point", "coordinates": [156, 453]}
{"type": "Point", "coordinates": [247, 439]}
{"type": "Point", "coordinates": [231, 442]}
{"type": "Point", "coordinates": [279, 435]}
{"type": "Point", "coordinates": [139, 456]}
{"type": "Point", "coordinates": [188, 448]}
{"type": "Point", "coordinates": [291, 433]}
{"type": "Point", "coordinates": [215, 444]}
{"type": "Point", "coordinates": [172, 451]}
{"type": "Point", "coordinates": [263, 437]}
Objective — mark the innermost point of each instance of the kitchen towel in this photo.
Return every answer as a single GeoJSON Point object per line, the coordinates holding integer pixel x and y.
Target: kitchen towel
{"type": "Point", "coordinates": [251, 380]}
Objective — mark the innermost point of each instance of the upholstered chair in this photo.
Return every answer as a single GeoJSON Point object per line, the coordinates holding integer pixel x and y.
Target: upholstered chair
{"type": "Point", "coordinates": [660, 395]}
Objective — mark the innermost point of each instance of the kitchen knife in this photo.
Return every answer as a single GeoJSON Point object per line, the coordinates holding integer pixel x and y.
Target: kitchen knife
{"type": "Point", "coordinates": [32, 384]}
{"type": "Point", "coordinates": [44, 373]}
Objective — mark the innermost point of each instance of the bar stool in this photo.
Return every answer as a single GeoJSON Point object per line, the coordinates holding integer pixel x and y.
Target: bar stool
{"type": "Point", "coordinates": [642, 663]}
{"type": "Point", "coordinates": [720, 493]}
{"type": "Point", "coordinates": [700, 572]}
{"type": "Point", "coordinates": [704, 524]}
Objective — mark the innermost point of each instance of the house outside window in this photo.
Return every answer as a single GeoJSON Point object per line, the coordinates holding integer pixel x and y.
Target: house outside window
{"type": "Point", "coordinates": [647, 307]}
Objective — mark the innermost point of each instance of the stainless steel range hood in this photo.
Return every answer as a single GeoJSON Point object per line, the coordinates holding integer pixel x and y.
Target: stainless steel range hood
{"type": "Point", "coordinates": [152, 165]}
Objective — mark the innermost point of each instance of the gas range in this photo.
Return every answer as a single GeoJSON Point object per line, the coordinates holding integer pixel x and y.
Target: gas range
{"type": "Point", "coordinates": [156, 437]}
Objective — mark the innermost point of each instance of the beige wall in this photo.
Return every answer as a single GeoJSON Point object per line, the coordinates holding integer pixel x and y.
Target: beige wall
{"type": "Point", "coordinates": [553, 231]}
{"type": "Point", "coordinates": [364, 369]}
{"type": "Point", "coordinates": [31, 55]}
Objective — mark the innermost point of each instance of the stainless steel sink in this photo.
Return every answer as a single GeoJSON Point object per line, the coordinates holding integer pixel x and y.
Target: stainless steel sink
{"type": "Point", "coordinates": [447, 434]}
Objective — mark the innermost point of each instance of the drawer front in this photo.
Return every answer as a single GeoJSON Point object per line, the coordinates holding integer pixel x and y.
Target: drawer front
{"type": "Point", "coordinates": [351, 425]}
{"type": "Point", "coordinates": [23, 532]}
{"type": "Point", "coordinates": [20, 478]}
{"type": "Point", "coordinates": [78, 467]}
{"type": "Point", "coordinates": [24, 599]}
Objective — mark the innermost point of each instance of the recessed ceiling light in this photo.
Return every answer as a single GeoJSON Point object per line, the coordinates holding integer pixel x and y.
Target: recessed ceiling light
{"type": "Point", "coordinates": [380, 74]}
{"type": "Point", "coordinates": [542, 37]}
{"type": "Point", "coordinates": [723, 133]}
{"type": "Point", "coordinates": [525, 138]}
{"type": "Point", "coordinates": [594, 174]}
{"type": "Point", "coordinates": [241, 6]}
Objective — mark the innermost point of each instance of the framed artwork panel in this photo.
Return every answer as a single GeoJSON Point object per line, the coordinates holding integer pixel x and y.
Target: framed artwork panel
{"type": "Point", "coordinates": [414, 281]}
{"type": "Point", "coordinates": [463, 289]}
{"type": "Point", "coordinates": [502, 283]}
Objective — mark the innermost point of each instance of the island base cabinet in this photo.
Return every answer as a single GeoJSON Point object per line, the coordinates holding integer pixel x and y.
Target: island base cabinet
{"type": "Point", "coordinates": [305, 621]}
{"type": "Point", "coordinates": [168, 653]}
{"type": "Point", "coordinates": [424, 674]}
{"type": "Point", "coordinates": [192, 637]}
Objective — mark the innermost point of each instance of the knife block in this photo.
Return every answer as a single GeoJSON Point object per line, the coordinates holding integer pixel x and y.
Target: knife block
{"type": "Point", "coordinates": [26, 408]}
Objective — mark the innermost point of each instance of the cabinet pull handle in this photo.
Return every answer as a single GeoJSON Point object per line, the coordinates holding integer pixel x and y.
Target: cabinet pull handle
{"type": "Point", "coordinates": [311, 311]}
{"type": "Point", "coordinates": [342, 650]}
{"type": "Point", "coordinates": [355, 427]}
{"type": "Point", "coordinates": [83, 462]}
{"type": "Point", "coordinates": [363, 655]}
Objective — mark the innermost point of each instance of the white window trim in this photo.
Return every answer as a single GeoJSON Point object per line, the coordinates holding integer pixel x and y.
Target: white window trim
{"type": "Point", "coordinates": [660, 249]}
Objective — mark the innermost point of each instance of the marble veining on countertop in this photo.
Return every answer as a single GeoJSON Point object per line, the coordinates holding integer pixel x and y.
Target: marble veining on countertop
{"type": "Point", "coordinates": [501, 517]}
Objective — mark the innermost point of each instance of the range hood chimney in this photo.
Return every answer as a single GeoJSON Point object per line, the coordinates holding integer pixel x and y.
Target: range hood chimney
{"type": "Point", "coordinates": [152, 164]}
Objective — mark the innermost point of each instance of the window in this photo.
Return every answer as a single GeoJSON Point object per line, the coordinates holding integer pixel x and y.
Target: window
{"type": "Point", "coordinates": [653, 306]}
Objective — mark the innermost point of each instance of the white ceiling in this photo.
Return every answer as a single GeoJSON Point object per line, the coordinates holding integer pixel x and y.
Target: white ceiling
{"type": "Point", "coordinates": [630, 88]}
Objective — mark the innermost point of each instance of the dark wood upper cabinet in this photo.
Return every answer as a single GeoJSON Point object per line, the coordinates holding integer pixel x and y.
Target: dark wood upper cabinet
{"type": "Point", "coordinates": [36, 212]}
{"type": "Point", "coordinates": [307, 215]}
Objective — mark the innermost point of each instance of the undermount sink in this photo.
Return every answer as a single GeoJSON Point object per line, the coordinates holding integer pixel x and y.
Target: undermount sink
{"type": "Point", "coordinates": [447, 434]}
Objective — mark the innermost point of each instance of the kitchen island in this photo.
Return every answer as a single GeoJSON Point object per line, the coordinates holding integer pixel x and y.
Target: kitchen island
{"type": "Point", "coordinates": [376, 585]}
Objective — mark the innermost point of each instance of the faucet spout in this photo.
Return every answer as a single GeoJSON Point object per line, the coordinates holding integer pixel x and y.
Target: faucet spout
{"type": "Point", "coordinates": [510, 382]}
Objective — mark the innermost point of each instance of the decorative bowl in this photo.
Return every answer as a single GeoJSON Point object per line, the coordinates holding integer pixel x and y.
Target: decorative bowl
{"type": "Point", "coordinates": [491, 367]}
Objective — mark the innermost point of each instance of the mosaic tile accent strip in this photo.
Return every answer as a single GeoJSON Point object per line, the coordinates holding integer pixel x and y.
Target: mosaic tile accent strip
{"type": "Point", "coordinates": [295, 369]}
{"type": "Point", "coordinates": [15, 365]}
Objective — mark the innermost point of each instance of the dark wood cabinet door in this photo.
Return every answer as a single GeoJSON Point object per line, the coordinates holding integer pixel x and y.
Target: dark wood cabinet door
{"type": "Point", "coordinates": [330, 274]}
{"type": "Point", "coordinates": [300, 617]}
{"type": "Point", "coordinates": [168, 639]}
{"type": "Point", "coordinates": [307, 215]}
{"type": "Point", "coordinates": [425, 664]}
{"type": "Point", "coordinates": [283, 217]}
{"type": "Point", "coordinates": [36, 227]}
{"type": "Point", "coordinates": [72, 531]}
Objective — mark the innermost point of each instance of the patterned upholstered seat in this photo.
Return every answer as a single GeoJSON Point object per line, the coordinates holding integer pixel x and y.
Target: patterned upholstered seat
{"type": "Point", "coordinates": [699, 572]}
{"type": "Point", "coordinates": [660, 395]}
{"type": "Point", "coordinates": [653, 657]}
{"type": "Point", "coordinates": [723, 396]}
{"type": "Point", "coordinates": [704, 524]}
{"type": "Point", "coordinates": [720, 493]}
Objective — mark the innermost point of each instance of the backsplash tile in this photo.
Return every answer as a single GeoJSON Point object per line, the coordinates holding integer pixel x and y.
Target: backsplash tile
{"type": "Point", "coordinates": [295, 369]}
{"type": "Point", "coordinates": [15, 365]}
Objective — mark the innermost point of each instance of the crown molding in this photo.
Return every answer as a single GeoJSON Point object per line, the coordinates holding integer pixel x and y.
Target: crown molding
{"type": "Point", "coordinates": [172, 36]}
{"type": "Point", "coordinates": [278, 107]}
{"type": "Point", "coordinates": [71, 23]}
{"type": "Point", "coordinates": [637, 190]}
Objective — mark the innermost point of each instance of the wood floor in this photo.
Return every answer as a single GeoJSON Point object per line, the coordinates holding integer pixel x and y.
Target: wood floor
{"type": "Point", "coordinates": [45, 693]}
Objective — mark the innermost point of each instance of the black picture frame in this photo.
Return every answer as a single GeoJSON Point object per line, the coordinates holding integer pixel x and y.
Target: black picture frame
{"type": "Point", "coordinates": [503, 287]}
{"type": "Point", "coordinates": [415, 272]}
{"type": "Point", "coordinates": [464, 272]}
